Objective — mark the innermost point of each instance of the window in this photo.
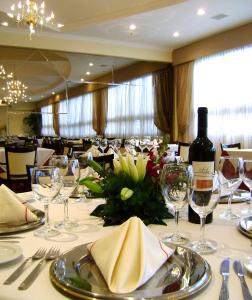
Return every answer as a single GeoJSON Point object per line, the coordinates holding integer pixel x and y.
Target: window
{"type": "Point", "coordinates": [223, 84]}
{"type": "Point", "coordinates": [131, 109]}
{"type": "Point", "coordinates": [78, 120]}
{"type": "Point", "coordinates": [47, 121]}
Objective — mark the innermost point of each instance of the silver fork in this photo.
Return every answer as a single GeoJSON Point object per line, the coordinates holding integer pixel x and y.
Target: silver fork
{"type": "Point", "coordinates": [37, 255]}
{"type": "Point", "coordinates": [50, 255]}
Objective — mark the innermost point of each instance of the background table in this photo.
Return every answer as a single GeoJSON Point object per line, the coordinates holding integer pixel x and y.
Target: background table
{"type": "Point", "coordinates": [224, 232]}
{"type": "Point", "coordinates": [244, 153]}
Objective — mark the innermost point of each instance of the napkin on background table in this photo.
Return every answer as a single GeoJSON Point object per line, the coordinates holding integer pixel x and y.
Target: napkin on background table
{"type": "Point", "coordinates": [129, 256]}
{"type": "Point", "coordinates": [93, 150]}
{"type": "Point", "coordinates": [13, 212]}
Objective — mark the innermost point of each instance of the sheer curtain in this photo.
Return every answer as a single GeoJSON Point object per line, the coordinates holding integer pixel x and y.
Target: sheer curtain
{"type": "Point", "coordinates": [131, 109]}
{"type": "Point", "coordinates": [78, 120]}
{"type": "Point", "coordinates": [47, 120]}
{"type": "Point", "coordinates": [223, 83]}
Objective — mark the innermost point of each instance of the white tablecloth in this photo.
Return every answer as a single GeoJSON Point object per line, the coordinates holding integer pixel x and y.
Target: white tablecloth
{"type": "Point", "coordinates": [225, 233]}
{"type": "Point", "coordinates": [43, 154]}
{"type": "Point", "coordinates": [244, 153]}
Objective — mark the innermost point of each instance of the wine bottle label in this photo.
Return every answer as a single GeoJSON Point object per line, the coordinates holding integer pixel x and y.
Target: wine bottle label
{"type": "Point", "coordinates": [203, 171]}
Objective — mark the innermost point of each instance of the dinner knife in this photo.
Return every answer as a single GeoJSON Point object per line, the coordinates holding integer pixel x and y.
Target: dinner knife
{"type": "Point", "coordinates": [239, 272]}
{"type": "Point", "coordinates": [224, 270]}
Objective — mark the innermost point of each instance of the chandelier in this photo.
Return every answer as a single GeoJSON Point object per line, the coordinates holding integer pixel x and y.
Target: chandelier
{"type": "Point", "coordinates": [31, 13]}
{"type": "Point", "coordinates": [14, 90]}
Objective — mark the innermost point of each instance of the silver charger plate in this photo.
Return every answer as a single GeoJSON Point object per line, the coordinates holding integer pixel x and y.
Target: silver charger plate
{"type": "Point", "coordinates": [185, 273]}
{"type": "Point", "coordinates": [238, 197]}
{"type": "Point", "coordinates": [4, 228]}
{"type": "Point", "coordinates": [245, 226]}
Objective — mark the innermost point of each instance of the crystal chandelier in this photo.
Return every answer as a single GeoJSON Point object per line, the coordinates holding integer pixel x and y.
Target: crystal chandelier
{"type": "Point", "coordinates": [31, 13]}
{"type": "Point", "coordinates": [14, 90]}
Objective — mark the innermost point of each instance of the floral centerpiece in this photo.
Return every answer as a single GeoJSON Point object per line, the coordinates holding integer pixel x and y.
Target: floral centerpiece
{"type": "Point", "coordinates": [131, 189]}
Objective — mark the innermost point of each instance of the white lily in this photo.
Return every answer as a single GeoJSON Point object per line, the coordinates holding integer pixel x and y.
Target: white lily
{"type": "Point", "coordinates": [117, 166]}
{"type": "Point", "coordinates": [132, 168]}
{"type": "Point", "coordinates": [141, 166]}
{"type": "Point", "coordinates": [124, 164]}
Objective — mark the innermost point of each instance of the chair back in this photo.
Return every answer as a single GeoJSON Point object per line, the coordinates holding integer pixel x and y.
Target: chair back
{"type": "Point", "coordinates": [105, 160]}
{"type": "Point", "coordinates": [17, 159]}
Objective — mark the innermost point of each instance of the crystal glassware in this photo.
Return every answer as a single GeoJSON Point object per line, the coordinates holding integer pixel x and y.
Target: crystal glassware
{"type": "Point", "coordinates": [204, 194]}
{"type": "Point", "coordinates": [230, 175]}
{"type": "Point", "coordinates": [247, 179]}
{"type": "Point", "coordinates": [174, 181]}
{"type": "Point", "coordinates": [46, 184]}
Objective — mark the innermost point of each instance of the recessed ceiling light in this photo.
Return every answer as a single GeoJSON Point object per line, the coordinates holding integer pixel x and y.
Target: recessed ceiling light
{"type": "Point", "coordinates": [82, 79]}
{"type": "Point", "coordinates": [176, 34]}
{"type": "Point", "coordinates": [132, 27]}
{"type": "Point", "coordinates": [60, 25]}
{"type": "Point", "coordinates": [10, 15]}
{"type": "Point", "coordinates": [30, 98]}
{"type": "Point", "coordinates": [87, 73]}
{"type": "Point", "coordinates": [42, 96]}
{"type": "Point", "coordinates": [91, 64]}
{"type": "Point", "coordinates": [201, 12]}
{"type": "Point", "coordinates": [53, 93]}
{"type": "Point", "coordinates": [5, 24]}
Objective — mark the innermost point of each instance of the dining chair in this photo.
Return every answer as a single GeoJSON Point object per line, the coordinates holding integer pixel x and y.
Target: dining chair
{"type": "Point", "coordinates": [234, 146]}
{"type": "Point", "coordinates": [17, 158]}
{"type": "Point", "coordinates": [183, 151]}
{"type": "Point", "coordinates": [106, 161]}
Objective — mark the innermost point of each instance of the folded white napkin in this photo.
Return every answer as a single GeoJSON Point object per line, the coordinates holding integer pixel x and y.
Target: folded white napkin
{"type": "Point", "coordinates": [110, 151]}
{"type": "Point", "coordinates": [129, 256]}
{"type": "Point", "coordinates": [93, 150]}
{"type": "Point", "coordinates": [12, 211]}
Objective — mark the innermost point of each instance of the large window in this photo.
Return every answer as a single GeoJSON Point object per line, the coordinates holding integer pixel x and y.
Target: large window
{"type": "Point", "coordinates": [78, 120]}
{"type": "Point", "coordinates": [47, 121]}
{"type": "Point", "coordinates": [223, 84]}
{"type": "Point", "coordinates": [131, 109]}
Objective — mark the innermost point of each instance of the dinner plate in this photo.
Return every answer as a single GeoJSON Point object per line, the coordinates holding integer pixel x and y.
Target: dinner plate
{"type": "Point", "coordinates": [238, 197]}
{"type": "Point", "coordinates": [9, 252]}
{"type": "Point", "coordinates": [245, 226]}
{"type": "Point", "coordinates": [4, 228]}
{"type": "Point", "coordinates": [75, 274]}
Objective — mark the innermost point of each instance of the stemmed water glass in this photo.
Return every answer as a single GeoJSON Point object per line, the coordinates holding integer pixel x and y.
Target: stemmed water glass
{"type": "Point", "coordinates": [204, 194]}
{"type": "Point", "coordinates": [247, 179]}
{"type": "Point", "coordinates": [103, 144]}
{"type": "Point", "coordinates": [46, 184]}
{"type": "Point", "coordinates": [230, 176]}
{"type": "Point", "coordinates": [174, 181]}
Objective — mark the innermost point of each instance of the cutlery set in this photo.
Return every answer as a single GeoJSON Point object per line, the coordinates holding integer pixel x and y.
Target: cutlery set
{"type": "Point", "coordinates": [41, 253]}
{"type": "Point", "coordinates": [224, 270]}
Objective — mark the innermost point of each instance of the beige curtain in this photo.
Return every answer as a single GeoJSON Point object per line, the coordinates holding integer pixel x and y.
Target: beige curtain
{"type": "Point", "coordinates": [183, 78]}
{"type": "Point", "coordinates": [56, 117]}
{"type": "Point", "coordinates": [100, 107]}
{"type": "Point", "coordinates": [163, 99]}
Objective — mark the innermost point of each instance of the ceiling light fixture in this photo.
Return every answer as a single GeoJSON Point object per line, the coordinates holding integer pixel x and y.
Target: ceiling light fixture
{"type": "Point", "coordinates": [5, 24]}
{"type": "Point", "coordinates": [87, 73]}
{"type": "Point", "coordinates": [32, 14]}
{"type": "Point", "coordinates": [91, 64]}
{"type": "Point", "coordinates": [176, 34]}
{"type": "Point", "coordinates": [201, 12]}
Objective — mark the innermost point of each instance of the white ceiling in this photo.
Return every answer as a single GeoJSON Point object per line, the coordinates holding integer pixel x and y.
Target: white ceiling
{"type": "Point", "coordinates": [100, 27]}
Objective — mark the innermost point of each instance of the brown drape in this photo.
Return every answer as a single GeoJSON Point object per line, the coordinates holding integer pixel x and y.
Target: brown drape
{"type": "Point", "coordinates": [55, 110]}
{"type": "Point", "coordinates": [163, 99]}
{"type": "Point", "coordinates": [183, 78]}
{"type": "Point", "coordinates": [100, 107]}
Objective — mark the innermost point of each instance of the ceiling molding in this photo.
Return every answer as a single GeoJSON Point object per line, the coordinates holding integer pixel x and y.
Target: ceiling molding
{"type": "Point", "coordinates": [76, 45]}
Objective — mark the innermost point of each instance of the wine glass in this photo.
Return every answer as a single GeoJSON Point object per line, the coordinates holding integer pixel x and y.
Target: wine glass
{"type": "Point", "coordinates": [174, 181]}
{"type": "Point", "coordinates": [230, 176]}
{"type": "Point", "coordinates": [142, 145]}
{"type": "Point", "coordinates": [46, 184]}
{"type": "Point", "coordinates": [247, 179]}
{"type": "Point", "coordinates": [204, 194]}
{"type": "Point", "coordinates": [103, 144]}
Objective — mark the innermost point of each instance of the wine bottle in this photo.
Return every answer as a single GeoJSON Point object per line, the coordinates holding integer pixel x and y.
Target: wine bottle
{"type": "Point", "coordinates": [201, 156]}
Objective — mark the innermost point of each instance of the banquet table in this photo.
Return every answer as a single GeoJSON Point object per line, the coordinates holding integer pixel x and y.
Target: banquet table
{"type": "Point", "coordinates": [43, 154]}
{"type": "Point", "coordinates": [244, 153]}
{"type": "Point", "coordinates": [230, 243]}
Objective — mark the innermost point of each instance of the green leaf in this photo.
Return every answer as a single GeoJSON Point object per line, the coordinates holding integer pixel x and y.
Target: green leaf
{"type": "Point", "coordinates": [96, 166]}
{"type": "Point", "coordinates": [93, 186]}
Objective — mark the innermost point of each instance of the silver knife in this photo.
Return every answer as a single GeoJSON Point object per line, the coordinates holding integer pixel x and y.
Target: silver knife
{"type": "Point", "coordinates": [224, 270]}
{"type": "Point", "coordinates": [239, 272]}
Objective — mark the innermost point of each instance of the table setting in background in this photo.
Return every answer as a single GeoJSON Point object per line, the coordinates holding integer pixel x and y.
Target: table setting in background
{"type": "Point", "coordinates": [135, 255]}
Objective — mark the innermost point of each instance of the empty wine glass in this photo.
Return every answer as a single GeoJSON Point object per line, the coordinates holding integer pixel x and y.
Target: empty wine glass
{"type": "Point", "coordinates": [230, 176]}
{"type": "Point", "coordinates": [46, 184]}
{"type": "Point", "coordinates": [103, 144]}
{"type": "Point", "coordinates": [247, 179]}
{"type": "Point", "coordinates": [142, 145]}
{"type": "Point", "coordinates": [174, 185]}
{"type": "Point", "coordinates": [204, 194]}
